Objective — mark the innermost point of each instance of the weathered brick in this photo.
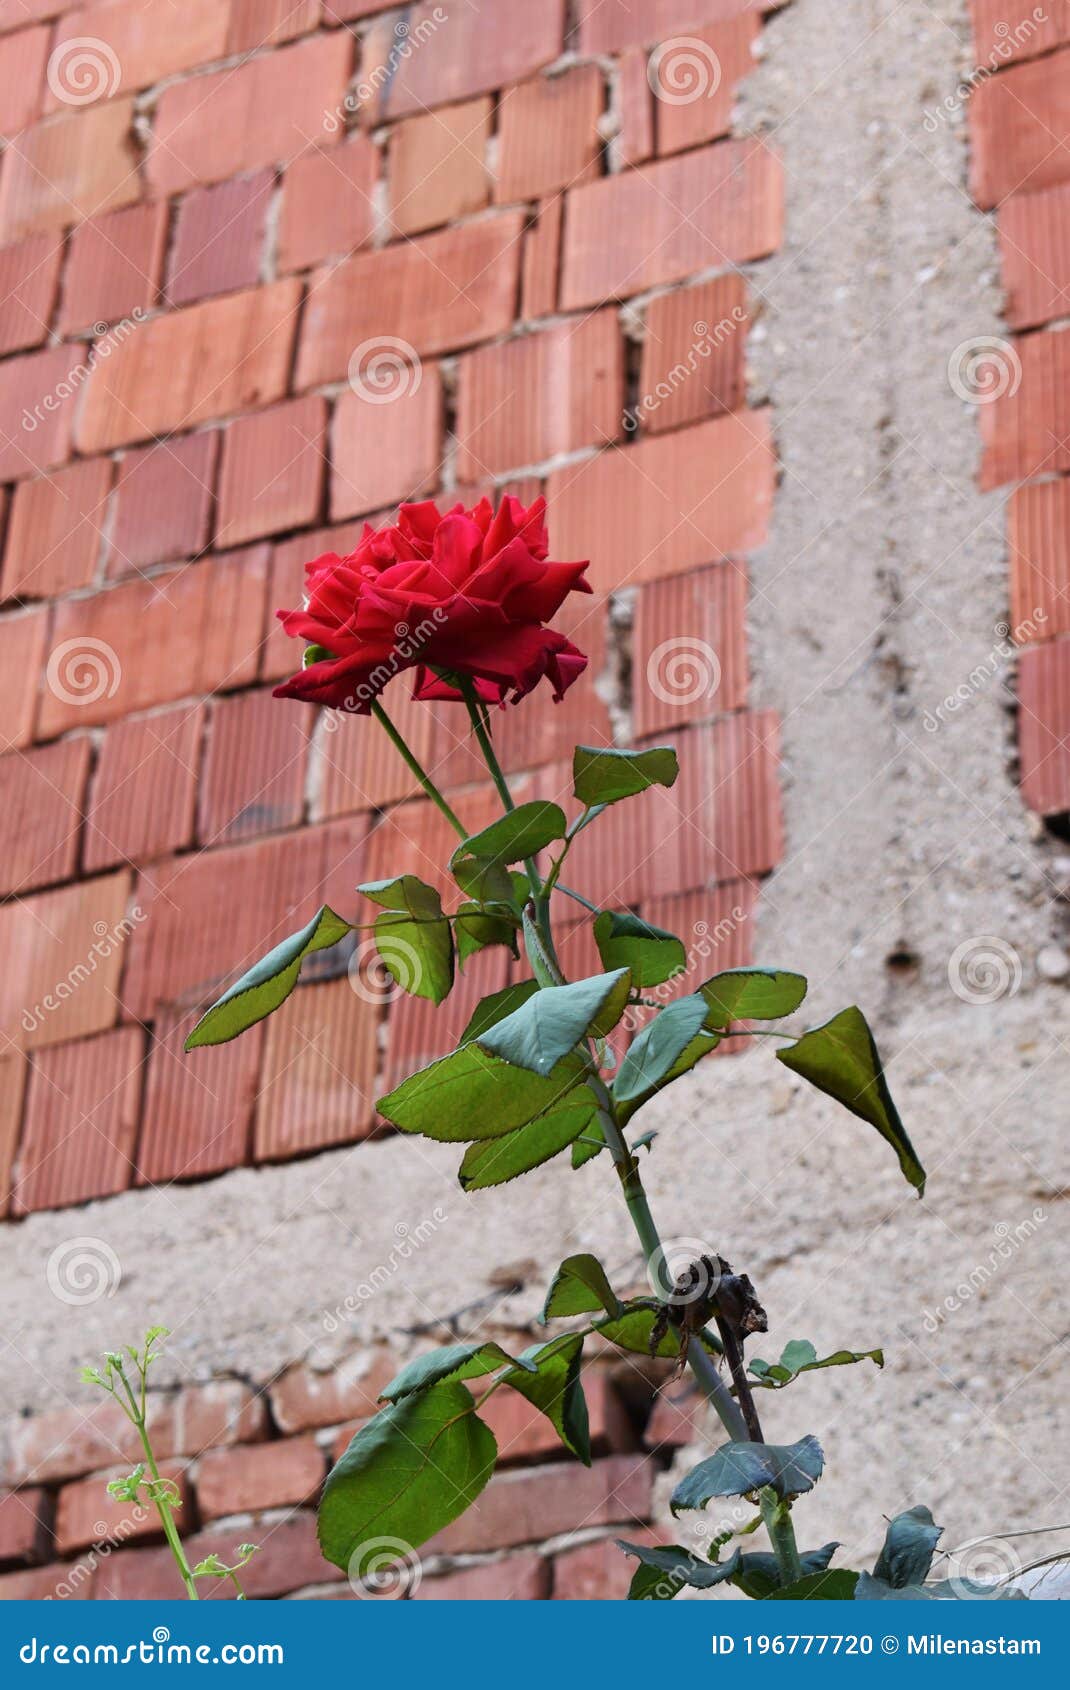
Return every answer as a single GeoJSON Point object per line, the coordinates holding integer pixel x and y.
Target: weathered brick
{"type": "Point", "coordinates": [1038, 538]}
{"type": "Point", "coordinates": [472, 52]}
{"type": "Point", "coordinates": [273, 1475]}
{"type": "Point", "coordinates": [56, 533]}
{"type": "Point", "coordinates": [163, 502]}
{"type": "Point", "coordinates": [198, 1111]}
{"type": "Point", "coordinates": [86, 1515]}
{"type": "Point", "coordinates": [64, 951]}
{"type": "Point", "coordinates": [219, 238]}
{"type": "Point", "coordinates": [25, 1517]}
{"type": "Point", "coordinates": [599, 1571]}
{"type": "Point", "coordinates": [302, 1398]}
{"type": "Point", "coordinates": [635, 143]}
{"type": "Point", "coordinates": [542, 259]}
{"type": "Point", "coordinates": [689, 648]}
{"type": "Point", "coordinates": [23, 638]}
{"type": "Point", "coordinates": [445, 291]}
{"type": "Point", "coordinates": [717, 206]}
{"type": "Point", "coordinates": [709, 66]}
{"type": "Point", "coordinates": [22, 76]}
{"type": "Point", "coordinates": [13, 1072]}
{"type": "Point", "coordinates": [1034, 236]}
{"type": "Point", "coordinates": [81, 1122]}
{"type": "Point", "coordinates": [207, 617]}
{"type": "Point", "coordinates": [1044, 727]}
{"type": "Point", "coordinates": [318, 1080]}
{"type": "Point", "coordinates": [37, 401]}
{"type": "Point", "coordinates": [264, 23]}
{"type": "Point", "coordinates": [16, 14]}
{"type": "Point", "coordinates": [143, 792]}
{"type": "Point", "coordinates": [183, 368]}
{"type": "Point", "coordinates": [65, 1579]}
{"type": "Point", "coordinates": [694, 362]}
{"type": "Point", "coordinates": [255, 764]}
{"type": "Point", "coordinates": [437, 166]}
{"type": "Point", "coordinates": [41, 799]}
{"type": "Point", "coordinates": [67, 168]}
{"type": "Point", "coordinates": [358, 768]}
{"type": "Point", "coordinates": [139, 42]}
{"type": "Point", "coordinates": [328, 204]}
{"type": "Point", "coordinates": [383, 452]}
{"type": "Point", "coordinates": [1020, 129]}
{"type": "Point", "coordinates": [29, 277]}
{"type": "Point", "coordinates": [1025, 419]}
{"type": "Point", "coordinates": [1000, 36]}
{"type": "Point", "coordinates": [531, 398]}
{"type": "Point", "coordinates": [115, 266]}
{"type": "Point", "coordinates": [548, 133]}
{"type": "Point", "coordinates": [265, 111]}
{"type": "Point", "coordinates": [274, 464]}
{"type": "Point", "coordinates": [288, 1557]}
{"type": "Point", "coordinates": [667, 504]}
{"type": "Point", "coordinates": [515, 1578]}
{"type": "Point", "coordinates": [527, 1506]}
{"type": "Point", "coordinates": [680, 1416]}
{"type": "Point", "coordinates": [637, 23]}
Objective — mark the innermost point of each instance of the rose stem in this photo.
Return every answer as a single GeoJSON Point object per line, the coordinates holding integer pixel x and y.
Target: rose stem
{"type": "Point", "coordinates": [421, 773]}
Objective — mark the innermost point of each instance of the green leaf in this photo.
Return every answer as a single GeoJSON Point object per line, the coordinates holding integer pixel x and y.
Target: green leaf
{"type": "Point", "coordinates": [579, 1286]}
{"type": "Point", "coordinates": [495, 1161]}
{"type": "Point", "coordinates": [693, 1052]}
{"type": "Point", "coordinates": [474, 929]}
{"type": "Point", "coordinates": [413, 936]}
{"type": "Point", "coordinates": [554, 1020]}
{"type": "Point", "coordinates": [664, 1571]}
{"type": "Point", "coordinates": [469, 1095]}
{"type": "Point", "coordinates": [841, 1060]}
{"type": "Point", "coordinates": [800, 1357]}
{"type": "Point", "coordinates": [480, 863]}
{"type": "Point", "coordinates": [627, 941]}
{"type": "Point", "coordinates": [631, 1332]}
{"type": "Point", "coordinates": [752, 994]}
{"type": "Point", "coordinates": [496, 1007]}
{"type": "Point", "coordinates": [592, 1143]}
{"type": "Point", "coordinates": [557, 1391]}
{"type": "Point", "coordinates": [909, 1545]}
{"type": "Point", "coordinates": [605, 776]}
{"type": "Point", "coordinates": [759, 1574]}
{"type": "Point", "coordinates": [870, 1589]}
{"type": "Point", "coordinates": [839, 1584]}
{"type": "Point", "coordinates": [406, 1475]}
{"type": "Point", "coordinates": [454, 1361]}
{"type": "Point", "coordinates": [268, 983]}
{"type": "Point", "coordinates": [653, 1054]}
{"type": "Point", "coordinates": [738, 1468]}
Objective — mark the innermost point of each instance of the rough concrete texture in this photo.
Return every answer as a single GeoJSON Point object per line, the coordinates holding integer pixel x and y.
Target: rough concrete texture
{"type": "Point", "coordinates": [881, 591]}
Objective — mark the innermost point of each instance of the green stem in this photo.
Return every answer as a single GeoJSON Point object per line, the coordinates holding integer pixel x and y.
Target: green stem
{"type": "Point", "coordinates": [167, 1519]}
{"type": "Point", "coordinates": [417, 769]}
{"type": "Point", "coordinates": [777, 1518]}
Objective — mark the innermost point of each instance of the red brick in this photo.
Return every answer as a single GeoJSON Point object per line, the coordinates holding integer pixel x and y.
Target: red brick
{"type": "Point", "coordinates": [1001, 35]}
{"type": "Point", "coordinates": [50, 1584]}
{"type": "Point", "coordinates": [206, 361]}
{"type": "Point", "coordinates": [516, 1578]}
{"type": "Point", "coordinates": [273, 471]}
{"type": "Point", "coordinates": [24, 1525]}
{"type": "Point", "coordinates": [320, 1062]}
{"type": "Point", "coordinates": [23, 638]}
{"type": "Point", "coordinates": [115, 266]}
{"type": "Point", "coordinates": [211, 916]}
{"type": "Point", "coordinates": [29, 276]}
{"type": "Point", "coordinates": [680, 1416]}
{"type": "Point", "coordinates": [1020, 129]}
{"type": "Point", "coordinates": [548, 133]}
{"type": "Point", "coordinates": [198, 1111]}
{"type": "Point", "coordinates": [241, 1481]}
{"type": "Point", "coordinates": [420, 834]}
{"type": "Point", "coordinates": [302, 1399]}
{"type": "Point", "coordinates": [472, 52]}
{"type": "Point", "coordinates": [542, 259]}
{"type": "Point", "coordinates": [41, 797]}
{"type": "Point", "coordinates": [1034, 238]}
{"type": "Point", "coordinates": [254, 768]}
{"type": "Point", "coordinates": [636, 100]}
{"type": "Point", "coordinates": [37, 401]}
{"type": "Point", "coordinates": [525, 1507]}
{"type": "Point", "coordinates": [328, 203]}
{"type": "Point", "coordinates": [599, 1571]}
{"type": "Point", "coordinates": [13, 1070]}
{"type": "Point", "coordinates": [15, 14]}
{"type": "Point", "coordinates": [386, 449]}
{"type": "Point", "coordinates": [64, 951]}
{"type": "Point", "coordinates": [22, 75]}
{"type": "Point", "coordinates": [1044, 727]}
{"type": "Point", "coordinates": [437, 166]}
{"type": "Point", "coordinates": [523, 1433]}
{"type": "Point", "coordinates": [219, 238]}
{"type": "Point", "coordinates": [1038, 537]}
{"type": "Point", "coordinates": [265, 111]}
{"type": "Point", "coordinates": [56, 533]}
{"type": "Point", "coordinates": [636, 23]}
{"type": "Point", "coordinates": [143, 792]}
{"type": "Point", "coordinates": [446, 291]}
{"type": "Point", "coordinates": [68, 168]}
{"type": "Point", "coordinates": [694, 362]}
{"type": "Point", "coordinates": [81, 1122]}
{"type": "Point", "coordinates": [531, 398]}
{"type": "Point", "coordinates": [86, 1515]}
{"type": "Point", "coordinates": [715, 924]}
{"type": "Point", "coordinates": [264, 23]}
{"type": "Point", "coordinates": [143, 42]}
{"type": "Point", "coordinates": [667, 504]}
{"type": "Point", "coordinates": [345, 11]}
{"type": "Point", "coordinates": [288, 1557]}
{"type": "Point", "coordinates": [208, 618]}
{"type": "Point", "coordinates": [163, 502]}
{"type": "Point", "coordinates": [1025, 423]}
{"type": "Point", "coordinates": [689, 648]}
{"type": "Point", "coordinates": [707, 66]}
{"type": "Point", "coordinates": [718, 206]}
{"type": "Point", "coordinates": [282, 654]}
{"type": "Point", "coordinates": [358, 768]}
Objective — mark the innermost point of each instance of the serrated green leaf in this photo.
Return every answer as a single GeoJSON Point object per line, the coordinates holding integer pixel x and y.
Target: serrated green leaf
{"type": "Point", "coordinates": [693, 1052]}
{"type": "Point", "coordinates": [909, 1545]}
{"type": "Point", "coordinates": [496, 1007]}
{"type": "Point", "coordinates": [406, 1475]}
{"type": "Point", "coordinates": [454, 1361]}
{"type": "Point", "coordinates": [739, 1468]}
{"type": "Point", "coordinates": [631, 1332]}
{"type": "Point", "coordinates": [591, 1144]}
{"type": "Point", "coordinates": [580, 1286]}
{"type": "Point", "coordinates": [495, 1161]}
{"type": "Point", "coordinates": [625, 940]}
{"type": "Point", "coordinates": [554, 1020]}
{"type": "Point", "coordinates": [664, 1571]}
{"type": "Point", "coordinates": [839, 1584]}
{"type": "Point", "coordinates": [841, 1059]}
{"type": "Point", "coordinates": [414, 938]}
{"type": "Point", "coordinates": [556, 1389]}
{"type": "Point", "coordinates": [800, 1357]}
{"type": "Point", "coordinates": [474, 929]}
{"type": "Point", "coordinates": [268, 983]}
{"type": "Point", "coordinates": [480, 864]}
{"type": "Point", "coordinates": [602, 776]}
{"type": "Point", "coordinates": [469, 1096]}
{"type": "Point", "coordinates": [752, 994]}
{"type": "Point", "coordinates": [759, 1574]}
{"type": "Point", "coordinates": [652, 1055]}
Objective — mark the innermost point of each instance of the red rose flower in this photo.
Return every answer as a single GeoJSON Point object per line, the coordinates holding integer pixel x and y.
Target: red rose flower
{"type": "Point", "coordinates": [468, 593]}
